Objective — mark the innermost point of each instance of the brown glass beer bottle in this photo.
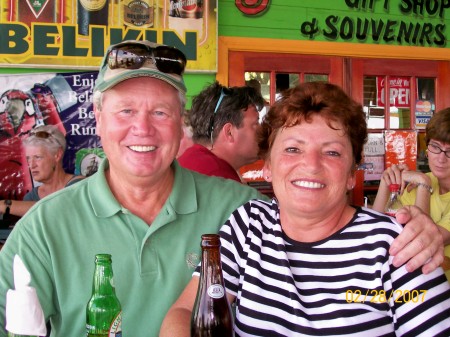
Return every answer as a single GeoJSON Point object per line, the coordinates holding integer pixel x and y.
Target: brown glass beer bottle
{"type": "Point", "coordinates": [91, 12]}
{"type": "Point", "coordinates": [212, 315]}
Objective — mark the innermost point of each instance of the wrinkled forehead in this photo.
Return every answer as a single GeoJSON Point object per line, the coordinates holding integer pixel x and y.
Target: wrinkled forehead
{"type": "Point", "coordinates": [115, 99]}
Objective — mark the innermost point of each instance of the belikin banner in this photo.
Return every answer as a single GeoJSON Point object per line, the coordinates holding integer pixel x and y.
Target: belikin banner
{"type": "Point", "coordinates": [71, 34]}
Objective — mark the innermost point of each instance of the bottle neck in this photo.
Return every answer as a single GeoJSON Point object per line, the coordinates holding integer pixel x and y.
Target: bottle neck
{"type": "Point", "coordinates": [211, 271]}
{"type": "Point", "coordinates": [395, 195]}
{"type": "Point", "coordinates": [103, 280]}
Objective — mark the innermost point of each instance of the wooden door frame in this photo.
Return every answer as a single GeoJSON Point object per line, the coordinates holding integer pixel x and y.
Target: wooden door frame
{"type": "Point", "coordinates": [227, 66]}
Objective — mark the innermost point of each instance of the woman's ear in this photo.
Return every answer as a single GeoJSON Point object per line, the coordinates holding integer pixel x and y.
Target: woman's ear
{"type": "Point", "coordinates": [59, 155]}
{"type": "Point", "coordinates": [267, 171]}
{"type": "Point", "coordinates": [351, 181]}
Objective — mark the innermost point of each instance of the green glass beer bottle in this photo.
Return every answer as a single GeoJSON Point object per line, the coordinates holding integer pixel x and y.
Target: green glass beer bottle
{"type": "Point", "coordinates": [103, 311]}
{"type": "Point", "coordinates": [212, 315]}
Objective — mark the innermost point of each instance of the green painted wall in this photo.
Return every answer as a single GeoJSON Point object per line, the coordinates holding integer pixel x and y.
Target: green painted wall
{"type": "Point", "coordinates": [338, 20]}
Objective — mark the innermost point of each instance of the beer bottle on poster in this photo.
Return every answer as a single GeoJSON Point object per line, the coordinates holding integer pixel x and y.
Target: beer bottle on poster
{"type": "Point", "coordinates": [187, 15]}
{"type": "Point", "coordinates": [103, 311]}
{"type": "Point", "coordinates": [393, 204]}
{"type": "Point", "coordinates": [138, 13]}
{"type": "Point", "coordinates": [212, 315]}
{"type": "Point", "coordinates": [91, 12]}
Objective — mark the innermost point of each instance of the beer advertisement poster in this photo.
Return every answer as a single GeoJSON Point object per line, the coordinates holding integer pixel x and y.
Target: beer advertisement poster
{"type": "Point", "coordinates": [401, 148]}
{"type": "Point", "coordinates": [61, 99]}
{"type": "Point", "coordinates": [75, 33]}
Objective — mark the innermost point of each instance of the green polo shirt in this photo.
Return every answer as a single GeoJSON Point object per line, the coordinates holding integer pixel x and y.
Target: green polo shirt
{"type": "Point", "coordinates": [59, 237]}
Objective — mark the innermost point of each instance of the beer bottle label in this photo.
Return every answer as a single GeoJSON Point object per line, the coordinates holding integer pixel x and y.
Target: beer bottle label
{"type": "Point", "coordinates": [93, 5]}
{"type": "Point", "coordinates": [138, 13]}
{"type": "Point", "coordinates": [216, 291]}
{"type": "Point", "coordinates": [116, 326]}
{"type": "Point", "coordinates": [37, 6]}
{"type": "Point", "coordinates": [29, 11]}
{"type": "Point", "coordinates": [186, 8]}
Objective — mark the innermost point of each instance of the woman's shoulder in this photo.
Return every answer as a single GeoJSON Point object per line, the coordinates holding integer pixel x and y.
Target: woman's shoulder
{"type": "Point", "coordinates": [257, 211]}
{"type": "Point", "coordinates": [257, 205]}
{"type": "Point", "coordinates": [373, 221]}
{"type": "Point", "coordinates": [32, 195]}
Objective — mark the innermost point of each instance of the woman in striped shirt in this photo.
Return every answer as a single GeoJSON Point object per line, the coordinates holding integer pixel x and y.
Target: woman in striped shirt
{"type": "Point", "coordinates": [308, 263]}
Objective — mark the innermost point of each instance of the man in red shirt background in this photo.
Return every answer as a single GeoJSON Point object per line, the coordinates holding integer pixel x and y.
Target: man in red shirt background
{"type": "Point", "coordinates": [223, 122]}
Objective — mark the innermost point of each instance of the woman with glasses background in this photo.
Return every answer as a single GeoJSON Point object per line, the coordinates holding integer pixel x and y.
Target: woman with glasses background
{"type": "Point", "coordinates": [429, 191]}
{"type": "Point", "coordinates": [44, 151]}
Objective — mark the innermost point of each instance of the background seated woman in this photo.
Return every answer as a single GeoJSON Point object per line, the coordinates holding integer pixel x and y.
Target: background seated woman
{"type": "Point", "coordinates": [44, 150]}
{"type": "Point", "coordinates": [429, 191]}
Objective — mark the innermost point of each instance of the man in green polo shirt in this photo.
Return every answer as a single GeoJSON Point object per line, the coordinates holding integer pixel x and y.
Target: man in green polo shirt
{"type": "Point", "coordinates": [141, 206]}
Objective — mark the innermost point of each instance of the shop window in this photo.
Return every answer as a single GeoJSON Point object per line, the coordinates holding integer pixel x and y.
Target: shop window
{"type": "Point", "coordinates": [282, 81]}
{"type": "Point", "coordinates": [285, 81]}
{"type": "Point", "coordinates": [424, 110]}
{"type": "Point", "coordinates": [396, 114]}
{"type": "Point", "coordinates": [259, 80]}
{"type": "Point", "coordinates": [316, 78]}
{"type": "Point", "coordinates": [397, 91]}
{"type": "Point", "coordinates": [425, 101]}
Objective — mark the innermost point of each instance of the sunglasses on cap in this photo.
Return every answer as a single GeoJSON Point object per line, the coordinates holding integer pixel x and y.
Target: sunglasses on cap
{"type": "Point", "coordinates": [44, 135]}
{"type": "Point", "coordinates": [41, 134]}
{"type": "Point", "coordinates": [167, 59]}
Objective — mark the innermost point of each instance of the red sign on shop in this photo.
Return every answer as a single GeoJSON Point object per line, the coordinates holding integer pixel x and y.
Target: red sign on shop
{"type": "Point", "coordinates": [399, 91]}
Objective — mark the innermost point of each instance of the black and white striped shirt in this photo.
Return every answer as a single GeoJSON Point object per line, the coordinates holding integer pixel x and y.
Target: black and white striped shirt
{"type": "Point", "coordinates": [344, 285]}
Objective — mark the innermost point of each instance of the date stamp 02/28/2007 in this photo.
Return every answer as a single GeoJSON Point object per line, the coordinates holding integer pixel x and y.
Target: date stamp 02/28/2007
{"type": "Point", "coordinates": [382, 296]}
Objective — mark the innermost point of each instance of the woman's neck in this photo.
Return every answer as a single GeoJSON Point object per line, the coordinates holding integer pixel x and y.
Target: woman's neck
{"type": "Point", "coordinates": [444, 185]}
{"type": "Point", "coordinates": [315, 229]}
{"type": "Point", "coordinates": [57, 181]}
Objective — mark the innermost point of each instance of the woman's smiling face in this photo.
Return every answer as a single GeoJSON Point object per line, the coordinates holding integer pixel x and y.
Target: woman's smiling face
{"type": "Point", "coordinates": [310, 166]}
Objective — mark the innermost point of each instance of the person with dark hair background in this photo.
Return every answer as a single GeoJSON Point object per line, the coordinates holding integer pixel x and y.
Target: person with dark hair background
{"type": "Point", "coordinates": [224, 122]}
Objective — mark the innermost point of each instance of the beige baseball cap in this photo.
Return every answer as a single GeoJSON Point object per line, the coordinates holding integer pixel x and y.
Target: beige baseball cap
{"type": "Point", "coordinates": [123, 68]}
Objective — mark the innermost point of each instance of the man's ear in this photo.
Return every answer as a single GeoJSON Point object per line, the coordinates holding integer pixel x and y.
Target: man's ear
{"type": "Point", "coordinates": [227, 132]}
{"type": "Point", "coordinates": [98, 120]}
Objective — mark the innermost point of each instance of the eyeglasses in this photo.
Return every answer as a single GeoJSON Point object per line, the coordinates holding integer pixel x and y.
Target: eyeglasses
{"type": "Point", "coordinates": [437, 150]}
{"type": "Point", "coordinates": [224, 92]}
{"type": "Point", "coordinates": [167, 59]}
